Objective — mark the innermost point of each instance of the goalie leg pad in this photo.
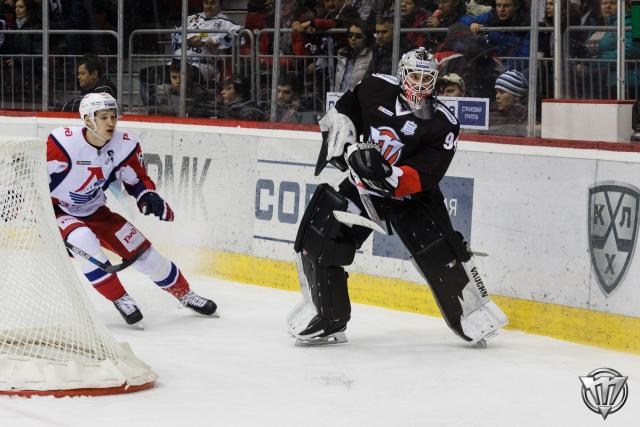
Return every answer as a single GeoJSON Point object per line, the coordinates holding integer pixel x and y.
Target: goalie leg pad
{"type": "Point", "coordinates": [325, 245]}
{"type": "Point", "coordinates": [456, 285]}
{"type": "Point", "coordinates": [321, 237]}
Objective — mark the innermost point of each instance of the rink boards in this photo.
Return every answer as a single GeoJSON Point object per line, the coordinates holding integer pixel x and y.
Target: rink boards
{"type": "Point", "coordinates": [559, 219]}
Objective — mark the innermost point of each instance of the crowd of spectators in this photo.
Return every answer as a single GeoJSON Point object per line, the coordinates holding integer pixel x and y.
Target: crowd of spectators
{"type": "Point", "coordinates": [473, 62]}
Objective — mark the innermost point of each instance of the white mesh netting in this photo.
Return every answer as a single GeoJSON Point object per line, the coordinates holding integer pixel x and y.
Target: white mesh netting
{"type": "Point", "coordinates": [49, 338]}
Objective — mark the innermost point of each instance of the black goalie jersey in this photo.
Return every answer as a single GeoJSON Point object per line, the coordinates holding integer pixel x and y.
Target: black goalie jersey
{"type": "Point", "coordinates": [422, 148]}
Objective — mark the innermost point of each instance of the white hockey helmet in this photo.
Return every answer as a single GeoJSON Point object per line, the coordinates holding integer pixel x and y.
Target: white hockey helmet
{"type": "Point", "coordinates": [417, 72]}
{"type": "Point", "coordinates": [93, 102]}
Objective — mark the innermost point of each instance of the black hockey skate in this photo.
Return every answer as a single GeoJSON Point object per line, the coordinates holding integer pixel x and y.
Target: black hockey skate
{"type": "Point", "coordinates": [321, 331]}
{"type": "Point", "coordinates": [198, 304]}
{"type": "Point", "coordinates": [128, 309]}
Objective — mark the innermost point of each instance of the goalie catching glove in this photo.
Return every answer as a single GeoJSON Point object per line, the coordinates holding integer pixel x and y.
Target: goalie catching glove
{"type": "Point", "coordinates": [151, 203]}
{"type": "Point", "coordinates": [370, 170]}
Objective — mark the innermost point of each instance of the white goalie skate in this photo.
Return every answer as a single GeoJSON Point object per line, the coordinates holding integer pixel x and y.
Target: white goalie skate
{"type": "Point", "coordinates": [302, 316]}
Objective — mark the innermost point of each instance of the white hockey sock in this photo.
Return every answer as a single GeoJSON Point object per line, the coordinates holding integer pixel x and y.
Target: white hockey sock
{"type": "Point", "coordinates": [157, 268]}
{"type": "Point", "coordinates": [83, 238]}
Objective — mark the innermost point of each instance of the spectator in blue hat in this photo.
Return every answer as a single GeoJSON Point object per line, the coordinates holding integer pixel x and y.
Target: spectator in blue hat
{"type": "Point", "coordinates": [509, 114]}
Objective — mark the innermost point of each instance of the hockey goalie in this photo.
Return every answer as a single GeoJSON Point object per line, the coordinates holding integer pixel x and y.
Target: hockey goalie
{"type": "Point", "coordinates": [409, 140]}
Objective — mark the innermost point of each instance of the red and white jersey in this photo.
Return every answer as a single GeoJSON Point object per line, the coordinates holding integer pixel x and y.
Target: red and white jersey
{"type": "Point", "coordinates": [80, 173]}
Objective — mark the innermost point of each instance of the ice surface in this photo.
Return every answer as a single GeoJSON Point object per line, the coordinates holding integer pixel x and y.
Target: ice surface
{"type": "Point", "coordinates": [398, 369]}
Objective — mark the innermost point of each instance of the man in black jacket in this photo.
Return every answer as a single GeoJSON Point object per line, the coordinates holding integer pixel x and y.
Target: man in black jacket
{"type": "Point", "coordinates": [91, 79]}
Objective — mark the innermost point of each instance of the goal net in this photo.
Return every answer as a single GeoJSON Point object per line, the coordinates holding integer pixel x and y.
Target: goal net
{"type": "Point", "coordinates": [50, 340]}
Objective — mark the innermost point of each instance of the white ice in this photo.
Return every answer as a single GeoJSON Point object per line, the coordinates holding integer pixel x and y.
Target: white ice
{"type": "Point", "coordinates": [398, 369]}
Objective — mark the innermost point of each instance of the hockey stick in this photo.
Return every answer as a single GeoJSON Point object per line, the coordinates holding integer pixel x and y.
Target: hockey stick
{"type": "Point", "coordinates": [353, 219]}
{"type": "Point", "coordinates": [104, 266]}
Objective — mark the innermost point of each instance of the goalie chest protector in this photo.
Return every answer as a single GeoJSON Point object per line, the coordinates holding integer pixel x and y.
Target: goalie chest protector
{"type": "Point", "coordinates": [426, 145]}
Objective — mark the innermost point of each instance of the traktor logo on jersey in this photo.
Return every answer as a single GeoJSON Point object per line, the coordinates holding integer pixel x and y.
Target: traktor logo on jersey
{"type": "Point", "coordinates": [389, 142]}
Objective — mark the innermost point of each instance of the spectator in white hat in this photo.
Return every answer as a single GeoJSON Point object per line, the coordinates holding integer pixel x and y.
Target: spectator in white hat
{"type": "Point", "coordinates": [509, 115]}
{"type": "Point", "coordinates": [450, 85]}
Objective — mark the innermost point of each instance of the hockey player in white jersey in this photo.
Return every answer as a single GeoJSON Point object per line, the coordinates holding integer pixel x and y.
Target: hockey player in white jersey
{"type": "Point", "coordinates": [82, 162]}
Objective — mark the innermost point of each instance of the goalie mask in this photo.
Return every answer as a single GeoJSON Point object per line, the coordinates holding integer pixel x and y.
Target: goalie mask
{"type": "Point", "coordinates": [95, 102]}
{"type": "Point", "coordinates": [417, 72]}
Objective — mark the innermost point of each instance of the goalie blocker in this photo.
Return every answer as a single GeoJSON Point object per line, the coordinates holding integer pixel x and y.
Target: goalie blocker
{"type": "Point", "coordinates": [326, 245]}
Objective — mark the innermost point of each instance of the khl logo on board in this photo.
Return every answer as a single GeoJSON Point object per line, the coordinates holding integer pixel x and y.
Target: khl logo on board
{"type": "Point", "coordinates": [613, 231]}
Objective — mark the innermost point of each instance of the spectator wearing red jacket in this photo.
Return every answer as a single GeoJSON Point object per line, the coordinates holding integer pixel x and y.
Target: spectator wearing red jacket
{"type": "Point", "coordinates": [414, 16]}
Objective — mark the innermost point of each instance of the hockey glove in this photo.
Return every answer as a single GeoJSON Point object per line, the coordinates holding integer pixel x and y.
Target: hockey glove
{"type": "Point", "coordinates": [341, 132]}
{"type": "Point", "coordinates": [152, 204]}
{"type": "Point", "coordinates": [369, 167]}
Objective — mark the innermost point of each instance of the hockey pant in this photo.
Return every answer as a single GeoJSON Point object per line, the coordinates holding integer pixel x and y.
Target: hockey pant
{"type": "Point", "coordinates": [325, 246]}
{"type": "Point", "coordinates": [106, 229]}
{"type": "Point", "coordinates": [441, 256]}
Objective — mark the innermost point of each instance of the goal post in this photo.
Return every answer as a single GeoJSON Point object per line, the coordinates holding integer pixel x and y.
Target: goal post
{"type": "Point", "coordinates": [51, 342]}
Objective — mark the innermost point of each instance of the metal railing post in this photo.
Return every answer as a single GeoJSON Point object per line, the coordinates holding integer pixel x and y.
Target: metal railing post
{"type": "Point", "coordinates": [183, 60]}
{"type": "Point", "coordinates": [120, 54]}
{"type": "Point", "coordinates": [557, 49]}
{"type": "Point", "coordinates": [45, 56]}
{"type": "Point", "coordinates": [533, 69]}
{"type": "Point", "coordinates": [395, 52]}
{"type": "Point", "coordinates": [275, 69]}
{"type": "Point", "coordinates": [620, 57]}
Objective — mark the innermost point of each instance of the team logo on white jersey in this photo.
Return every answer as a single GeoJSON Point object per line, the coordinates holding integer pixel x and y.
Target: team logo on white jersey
{"type": "Point", "coordinates": [90, 188]}
{"type": "Point", "coordinates": [389, 142]}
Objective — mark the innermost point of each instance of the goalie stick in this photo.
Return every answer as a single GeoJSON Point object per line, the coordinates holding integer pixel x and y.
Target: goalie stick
{"type": "Point", "coordinates": [104, 266]}
{"type": "Point", "coordinates": [349, 218]}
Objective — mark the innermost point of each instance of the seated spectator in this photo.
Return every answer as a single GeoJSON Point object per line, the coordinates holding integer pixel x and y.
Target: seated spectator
{"type": "Point", "coordinates": [200, 46]}
{"type": "Point", "coordinates": [545, 43]}
{"type": "Point", "coordinates": [235, 105]}
{"type": "Point", "coordinates": [289, 107]}
{"type": "Point", "coordinates": [353, 60]}
{"type": "Point", "coordinates": [336, 14]}
{"type": "Point", "coordinates": [24, 72]}
{"type": "Point", "coordinates": [168, 95]}
{"type": "Point", "coordinates": [469, 56]}
{"type": "Point", "coordinates": [383, 47]}
{"type": "Point", "coordinates": [91, 79]}
{"type": "Point", "coordinates": [603, 46]}
{"type": "Point", "coordinates": [413, 16]}
{"type": "Point", "coordinates": [203, 49]}
{"type": "Point", "coordinates": [509, 114]}
{"type": "Point", "coordinates": [448, 13]}
{"type": "Point", "coordinates": [508, 13]}
{"type": "Point", "coordinates": [450, 85]}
